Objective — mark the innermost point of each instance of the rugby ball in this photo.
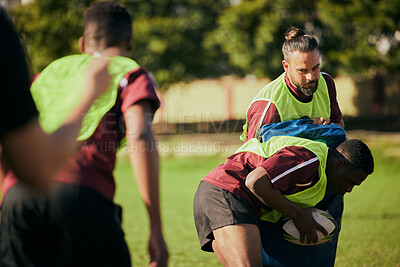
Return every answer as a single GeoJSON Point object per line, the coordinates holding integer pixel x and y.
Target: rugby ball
{"type": "Point", "coordinates": [291, 234]}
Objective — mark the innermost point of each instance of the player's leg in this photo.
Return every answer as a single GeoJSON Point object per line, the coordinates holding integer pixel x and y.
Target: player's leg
{"type": "Point", "coordinates": [238, 245]}
{"type": "Point", "coordinates": [222, 220]}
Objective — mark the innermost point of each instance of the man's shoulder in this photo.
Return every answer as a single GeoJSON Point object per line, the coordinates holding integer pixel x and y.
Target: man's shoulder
{"type": "Point", "coordinates": [136, 85]}
{"type": "Point", "coordinates": [330, 83]}
{"type": "Point", "coordinates": [272, 88]}
{"type": "Point", "coordinates": [138, 74]}
{"type": "Point", "coordinates": [328, 78]}
{"type": "Point", "coordinates": [279, 79]}
{"type": "Point", "coordinates": [133, 74]}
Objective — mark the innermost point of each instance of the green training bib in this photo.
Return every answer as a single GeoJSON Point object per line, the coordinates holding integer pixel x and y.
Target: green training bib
{"type": "Point", "coordinates": [59, 89]}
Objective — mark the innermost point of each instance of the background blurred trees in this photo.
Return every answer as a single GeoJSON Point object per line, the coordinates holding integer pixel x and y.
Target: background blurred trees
{"type": "Point", "coordinates": [50, 29]}
{"type": "Point", "coordinates": [181, 40]}
{"type": "Point", "coordinates": [364, 35]}
{"type": "Point", "coordinates": [251, 33]}
{"type": "Point", "coordinates": [169, 36]}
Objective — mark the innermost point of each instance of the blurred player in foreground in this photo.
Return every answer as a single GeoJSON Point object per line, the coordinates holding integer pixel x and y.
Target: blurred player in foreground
{"type": "Point", "coordinates": [32, 154]}
{"type": "Point", "coordinates": [77, 223]}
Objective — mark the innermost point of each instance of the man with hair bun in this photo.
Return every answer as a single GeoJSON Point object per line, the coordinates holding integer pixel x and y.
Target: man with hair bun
{"type": "Point", "coordinates": [302, 90]}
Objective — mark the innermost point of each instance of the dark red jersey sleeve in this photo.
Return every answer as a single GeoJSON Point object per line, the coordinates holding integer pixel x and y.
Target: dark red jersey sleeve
{"type": "Point", "coordinates": [336, 114]}
{"type": "Point", "coordinates": [138, 85]}
{"type": "Point", "coordinates": [292, 169]}
{"type": "Point", "coordinates": [254, 115]}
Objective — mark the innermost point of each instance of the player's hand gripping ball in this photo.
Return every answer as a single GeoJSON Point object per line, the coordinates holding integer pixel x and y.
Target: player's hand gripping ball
{"type": "Point", "coordinates": [291, 234]}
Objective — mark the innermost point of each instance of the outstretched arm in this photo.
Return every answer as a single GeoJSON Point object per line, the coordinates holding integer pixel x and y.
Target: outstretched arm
{"type": "Point", "coordinates": [143, 156]}
{"type": "Point", "coordinates": [34, 156]}
{"type": "Point", "coordinates": [259, 183]}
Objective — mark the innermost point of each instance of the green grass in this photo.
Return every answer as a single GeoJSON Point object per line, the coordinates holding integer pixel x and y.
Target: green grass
{"type": "Point", "coordinates": [179, 180]}
{"type": "Point", "coordinates": [371, 224]}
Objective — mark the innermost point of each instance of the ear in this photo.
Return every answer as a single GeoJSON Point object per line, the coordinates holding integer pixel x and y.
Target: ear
{"type": "Point", "coordinates": [82, 45]}
{"type": "Point", "coordinates": [339, 163]}
{"type": "Point", "coordinates": [285, 65]}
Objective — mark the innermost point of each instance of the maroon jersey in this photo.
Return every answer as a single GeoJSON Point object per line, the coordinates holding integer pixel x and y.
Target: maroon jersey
{"type": "Point", "coordinates": [283, 169]}
{"type": "Point", "coordinates": [257, 108]}
{"type": "Point", "coordinates": [92, 166]}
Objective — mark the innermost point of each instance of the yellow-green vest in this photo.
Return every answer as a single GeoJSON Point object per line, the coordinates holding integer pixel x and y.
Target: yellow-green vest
{"type": "Point", "coordinates": [288, 106]}
{"type": "Point", "coordinates": [59, 88]}
{"type": "Point", "coordinates": [308, 197]}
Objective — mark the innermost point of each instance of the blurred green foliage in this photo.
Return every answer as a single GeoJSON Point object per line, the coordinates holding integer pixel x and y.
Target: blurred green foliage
{"type": "Point", "coordinates": [182, 40]}
{"type": "Point", "coordinates": [169, 36]}
{"type": "Point", "coordinates": [50, 29]}
{"type": "Point", "coordinates": [364, 35]}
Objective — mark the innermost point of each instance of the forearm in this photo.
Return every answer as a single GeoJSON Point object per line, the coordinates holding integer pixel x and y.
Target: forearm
{"type": "Point", "coordinates": [145, 162]}
{"type": "Point", "coordinates": [30, 154]}
{"type": "Point", "coordinates": [258, 182]}
{"type": "Point", "coordinates": [260, 185]}
{"type": "Point", "coordinates": [96, 81]}
{"type": "Point", "coordinates": [144, 159]}
{"type": "Point", "coordinates": [35, 156]}
{"type": "Point", "coordinates": [63, 140]}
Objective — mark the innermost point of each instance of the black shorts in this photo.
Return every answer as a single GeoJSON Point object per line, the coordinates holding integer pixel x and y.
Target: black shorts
{"type": "Point", "coordinates": [214, 207]}
{"type": "Point", "coordinates": [72, 226]}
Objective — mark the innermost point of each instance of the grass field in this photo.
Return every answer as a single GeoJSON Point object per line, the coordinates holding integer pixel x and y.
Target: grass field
{"type": "Point", "coordinates": [371, 222]}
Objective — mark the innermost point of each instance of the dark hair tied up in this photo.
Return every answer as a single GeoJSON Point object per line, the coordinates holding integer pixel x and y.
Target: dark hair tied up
{"type": "Point", "coordinates": [297, 40]}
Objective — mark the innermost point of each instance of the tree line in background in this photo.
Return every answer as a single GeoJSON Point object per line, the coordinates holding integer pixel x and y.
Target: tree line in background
{"type": "Point", "coordinates": [182, 40]}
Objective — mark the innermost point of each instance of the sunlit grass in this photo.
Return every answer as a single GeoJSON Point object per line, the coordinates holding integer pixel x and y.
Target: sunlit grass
{"type": "Point", "coordinates": [371, 223]}
{"type": "Point", "coordinates": [180, 178]}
